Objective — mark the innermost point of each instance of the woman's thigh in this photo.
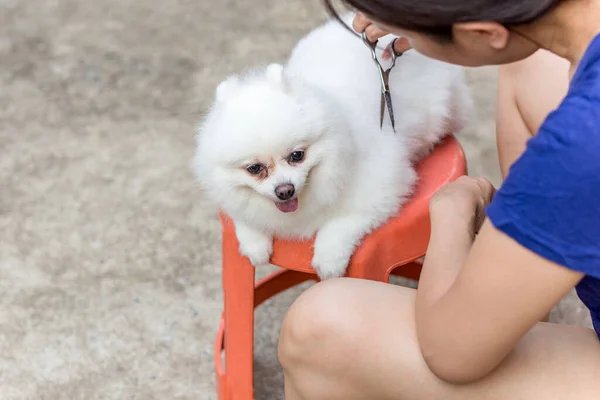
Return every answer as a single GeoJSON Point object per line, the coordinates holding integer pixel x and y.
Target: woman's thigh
{"type": "Point", "coordinates": [355, 339]}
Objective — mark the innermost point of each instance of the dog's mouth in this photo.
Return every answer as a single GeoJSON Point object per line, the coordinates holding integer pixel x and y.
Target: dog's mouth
{"type": "Point", "coordinates": [287, 206]}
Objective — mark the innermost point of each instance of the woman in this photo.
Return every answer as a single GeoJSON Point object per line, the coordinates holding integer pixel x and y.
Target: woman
{"type": "Point", "coordinates": [472, 330]}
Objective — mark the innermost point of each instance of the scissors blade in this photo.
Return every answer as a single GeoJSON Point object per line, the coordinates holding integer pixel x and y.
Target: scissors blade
{"type": "Point", "coordinates": [388, 101]}
{"type": "Point", "coordinates": [382, 110]}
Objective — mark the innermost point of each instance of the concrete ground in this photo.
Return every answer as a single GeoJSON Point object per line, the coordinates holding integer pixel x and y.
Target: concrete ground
{"type": "Point", "coordinates": [109, 255]}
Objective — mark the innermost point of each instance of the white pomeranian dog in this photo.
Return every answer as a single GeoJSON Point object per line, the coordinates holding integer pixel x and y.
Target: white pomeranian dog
{"type": "Point", "coordinates": [297, 151]}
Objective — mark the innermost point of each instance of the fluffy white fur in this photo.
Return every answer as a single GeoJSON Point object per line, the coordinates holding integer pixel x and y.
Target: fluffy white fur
{"type": "Point", "coordinates": [324, 101]}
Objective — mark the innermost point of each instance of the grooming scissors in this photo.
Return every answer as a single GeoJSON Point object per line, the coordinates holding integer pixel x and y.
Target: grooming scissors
{"type": "Point", "coordinates": [384, 75]}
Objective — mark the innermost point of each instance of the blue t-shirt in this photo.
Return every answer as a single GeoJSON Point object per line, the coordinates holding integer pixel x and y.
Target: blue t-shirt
{"type": "Point", "coordinates": [550, 200]}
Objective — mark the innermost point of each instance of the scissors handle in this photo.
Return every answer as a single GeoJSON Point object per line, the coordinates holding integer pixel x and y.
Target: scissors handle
{"type": "Point", "coordinates": [372, 46]}
{"type": "Point", "coordinates": [369, 44]}
{"type": "Point", "coordinates": [393, 53]}
{"type": "Point", "coordinates": [386, 98]}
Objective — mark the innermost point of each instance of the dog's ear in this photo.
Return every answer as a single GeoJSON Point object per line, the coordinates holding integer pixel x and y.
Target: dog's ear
{"type": "Point", "coordinates": [276, 75]}
{"type": "Point", "coordinates": [227, 87]}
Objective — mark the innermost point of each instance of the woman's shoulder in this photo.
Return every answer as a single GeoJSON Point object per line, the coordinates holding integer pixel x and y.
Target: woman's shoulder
{"type": "Point", "coordinates": [538, 84]}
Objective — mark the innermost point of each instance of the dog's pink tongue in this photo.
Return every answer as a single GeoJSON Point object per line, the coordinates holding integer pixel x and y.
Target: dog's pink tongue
{"type": "Point", "coordinates": [287, 206]}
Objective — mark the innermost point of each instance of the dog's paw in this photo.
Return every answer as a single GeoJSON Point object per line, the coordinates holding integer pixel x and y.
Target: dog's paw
{"type": "Point", "coordinates": [257, 251]}
{"type": "Point", "coordinates": [336, 242]}
{"type": "Point", "coordinates": [331, 257]}
{"type": "Point", "coordinates": [255, 245]}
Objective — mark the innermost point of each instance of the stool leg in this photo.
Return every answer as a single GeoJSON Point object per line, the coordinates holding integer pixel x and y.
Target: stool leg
{"type": "Point", "coordinates": [238, 287]}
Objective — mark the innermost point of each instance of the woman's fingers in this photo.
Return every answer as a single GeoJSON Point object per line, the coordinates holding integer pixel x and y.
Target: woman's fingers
{"type": "Point", "coordinates": [363, 24]}
{"type": "Point", "coordinates": [360, 22]}
{"type": "Point", "coordinates": [374, 33]}
{"type": "Point", "coordinates": [466, 197]}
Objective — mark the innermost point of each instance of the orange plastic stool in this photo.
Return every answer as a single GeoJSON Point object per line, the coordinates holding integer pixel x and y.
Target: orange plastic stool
{"type": "Point", "coordinates": [395, 246]}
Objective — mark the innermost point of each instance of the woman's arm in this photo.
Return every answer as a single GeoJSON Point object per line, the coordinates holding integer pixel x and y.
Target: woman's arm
{"type": "Point", "coordinates": [476, 301]}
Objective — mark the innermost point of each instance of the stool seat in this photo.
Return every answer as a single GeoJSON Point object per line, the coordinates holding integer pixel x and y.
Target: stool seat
{"type": "Point", "coordinates": [401, 239]}
{"type": "Point", "coordinates": [392, 248]}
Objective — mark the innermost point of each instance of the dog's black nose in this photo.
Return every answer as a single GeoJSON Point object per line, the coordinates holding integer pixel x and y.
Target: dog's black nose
{"type": "Point", "coordinates": [284, 192]}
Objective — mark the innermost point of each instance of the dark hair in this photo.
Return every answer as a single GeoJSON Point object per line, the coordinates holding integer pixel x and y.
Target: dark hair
{"type": "Point", "coordinates": [436, 17]}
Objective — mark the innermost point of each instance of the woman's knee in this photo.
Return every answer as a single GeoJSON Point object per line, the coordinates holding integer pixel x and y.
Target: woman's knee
{"type": "Point", "coordinates": [319, 323]}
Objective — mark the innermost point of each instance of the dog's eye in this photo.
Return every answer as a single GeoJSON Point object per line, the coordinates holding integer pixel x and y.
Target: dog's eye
{"type": "Point", "coordinates": [255, 169]}
{"type": "Point", "coordinates": [297, 156]}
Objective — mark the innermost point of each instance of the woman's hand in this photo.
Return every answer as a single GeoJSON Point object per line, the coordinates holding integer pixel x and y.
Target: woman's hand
{"type": "Point", "coordinates": [362, 24]}
{"type": "Point", "coordinates": [465, 199]}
